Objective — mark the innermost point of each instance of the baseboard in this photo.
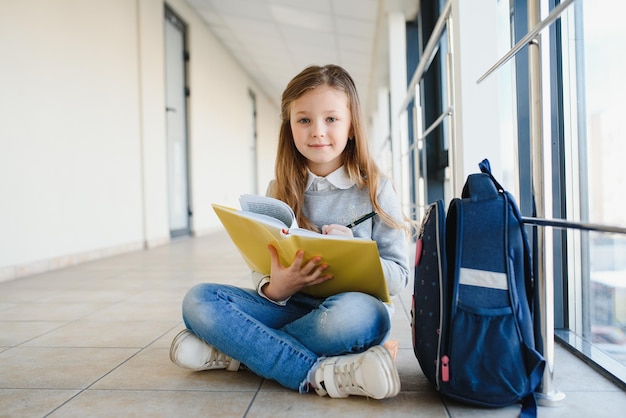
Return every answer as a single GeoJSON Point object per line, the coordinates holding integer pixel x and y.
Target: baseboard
{"type": "Point", "coordinates": [156, 242]}
{"type": "Point", "coordinates": [42, 266]}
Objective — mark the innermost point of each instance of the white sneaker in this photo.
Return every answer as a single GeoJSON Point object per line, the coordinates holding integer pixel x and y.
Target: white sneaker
{"type": "Point", "coordinates": [191, 352]}
{"type": "Point", "coordinates": [371, 373]}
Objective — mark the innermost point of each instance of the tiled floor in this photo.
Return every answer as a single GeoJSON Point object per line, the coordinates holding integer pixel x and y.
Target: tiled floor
{"type": "Point", "coordinates": [93, 340]}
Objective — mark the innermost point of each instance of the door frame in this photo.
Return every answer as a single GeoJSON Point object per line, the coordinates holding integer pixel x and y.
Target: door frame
{"type": "Point", "coordinates": [171, 17]}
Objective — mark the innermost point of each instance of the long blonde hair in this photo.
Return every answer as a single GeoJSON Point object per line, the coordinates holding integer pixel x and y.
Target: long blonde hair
{"type": "Point", "coordinates": [291, 166]}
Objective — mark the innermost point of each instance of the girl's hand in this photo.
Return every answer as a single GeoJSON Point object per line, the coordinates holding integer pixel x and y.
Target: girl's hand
{"type": "Point", "coordinates": [286, 281]}
{"type": "Point", "coordinates": [335, 229]}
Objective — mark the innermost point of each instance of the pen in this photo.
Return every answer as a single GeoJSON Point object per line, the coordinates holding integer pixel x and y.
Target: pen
{"type": "Point", "coordinates": [361, 219]}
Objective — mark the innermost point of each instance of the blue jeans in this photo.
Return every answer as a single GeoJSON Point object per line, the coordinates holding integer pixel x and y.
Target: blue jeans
{"type": "Point", "coordinates": [283, 343]}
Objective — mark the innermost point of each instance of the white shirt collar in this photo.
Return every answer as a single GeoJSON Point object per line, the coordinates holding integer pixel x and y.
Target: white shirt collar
{"type": "Point", "coordinates": [338, 179]}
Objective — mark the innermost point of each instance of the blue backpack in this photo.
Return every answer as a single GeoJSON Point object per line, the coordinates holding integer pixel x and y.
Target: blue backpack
{"type": "Point", "coordinates": [472, 317]}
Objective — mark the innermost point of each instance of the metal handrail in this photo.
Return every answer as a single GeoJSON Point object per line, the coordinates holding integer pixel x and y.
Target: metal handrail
{"type": "Point", "coordinates": [428, 54]}
{"type": "Point", "coordinates": [554, 14]}
{"type": "Point", "coordinates": [430, 128]}
{"type": "Point", "coordinates": [564, 224]}
{"type": "Point", "coordinates": [436, 123]}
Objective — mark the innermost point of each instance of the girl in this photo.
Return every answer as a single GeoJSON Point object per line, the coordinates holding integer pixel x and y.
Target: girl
{"type": "Point", "coordinates": [332, 346]}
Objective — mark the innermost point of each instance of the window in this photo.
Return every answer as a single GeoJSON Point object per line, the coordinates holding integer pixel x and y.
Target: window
{"type": "Point", "coordinates": [583, 100]}
{"type": "Point", "coordinates": [593, 137]}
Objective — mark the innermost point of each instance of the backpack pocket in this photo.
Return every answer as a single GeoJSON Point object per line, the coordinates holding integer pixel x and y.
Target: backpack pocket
{"type": "Point", "coordinates": [426, 310]}
{"type": "Point", "coordinates": [479, 339]}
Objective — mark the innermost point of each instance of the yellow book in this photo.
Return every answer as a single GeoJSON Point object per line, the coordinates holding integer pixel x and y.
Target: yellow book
{"type": "Point", "coordinates": [354, 263]}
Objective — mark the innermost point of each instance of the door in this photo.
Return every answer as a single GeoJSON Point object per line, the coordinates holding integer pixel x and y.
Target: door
{"type": "Point", "coordinates": [253, 143]}
{"type": "Point", "coordinates": [176, 93]}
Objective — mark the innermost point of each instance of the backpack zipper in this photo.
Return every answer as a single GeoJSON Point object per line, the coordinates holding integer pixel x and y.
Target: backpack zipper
{"type": "Point", "coordinates": [445, 369]}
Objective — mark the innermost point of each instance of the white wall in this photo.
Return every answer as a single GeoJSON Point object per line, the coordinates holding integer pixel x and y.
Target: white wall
{"type": "Point", "coordinates": [476, 107]}
{"type": "Point", "coordinates": [219, 125]}
{"type": "Point", "coordinates": [268, 125]}
{"type": "Point", "coordinates": [70, 157]}
{"type": "Point", "coordinates": [82, 136]}
{"type": "Point", "coordinates": [153, 122]}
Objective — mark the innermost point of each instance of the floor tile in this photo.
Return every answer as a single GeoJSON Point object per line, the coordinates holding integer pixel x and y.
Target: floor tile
{"type": "Point", "coordinates": [32, 402]}
{"type": "Point", "coordinates": [155, 404]}
{"type": "Point", "coordinates": [103, 295]}
{"type": "Point", "coordinates": [165, 341]}
{"type": "Point", "coordinates": [137, 311]}
{"type": "Point", "coordinates": [411, 375]}
{"type": "Point", "coordinates": [18, 332]}
{"type": "Point", "coordinates": [293, 405]}
{"type": "Point", "coordinates": [58, 368]}
{"type": "Point", "coordinates": [570, 374]}
{"type": "Point", "coordinates": [90, 333]}
{"type": "Point", "coordinates": [596, 404]}
{"type": "Point", "coordinates": [35, 311]}
{"type": "Point", "coordinates": [458, 410]}
{"type": "Point", "coordinates": [152, 369]}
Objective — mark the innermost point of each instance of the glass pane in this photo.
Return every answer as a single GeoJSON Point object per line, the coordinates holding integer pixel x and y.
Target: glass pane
{"type": "Point", "coordinates": [604, 69]}
{"type": "Point", "coordinates": [608, 295]}
{"type": "Point", "coordinates": [593, 103]}
{"type": "Point", "coordinates": [507, 117]}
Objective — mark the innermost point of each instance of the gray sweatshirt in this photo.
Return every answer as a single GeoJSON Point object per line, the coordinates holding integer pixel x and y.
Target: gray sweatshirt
{"type": "Point", "coordinates": [343, 206]}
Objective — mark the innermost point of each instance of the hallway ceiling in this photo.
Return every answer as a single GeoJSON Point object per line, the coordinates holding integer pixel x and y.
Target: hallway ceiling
{"type": "Point", "coordinates": [273, 40]}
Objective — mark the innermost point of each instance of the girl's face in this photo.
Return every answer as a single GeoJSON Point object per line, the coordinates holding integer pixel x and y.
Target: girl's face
{"type": "Point", "coordinates": [321, 124]}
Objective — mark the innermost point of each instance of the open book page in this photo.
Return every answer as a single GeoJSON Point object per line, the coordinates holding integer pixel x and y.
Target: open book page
{"type": "Point", "coordinates": [309, 233]}
{"type": "Point", "coordinates": [276, 225]}
{"type": "Point", "coordinates": [276, 213]}
{"type": "Point", "coordinates": [269, 206]}
{"type": "Point", "coordinates": [354, 263]}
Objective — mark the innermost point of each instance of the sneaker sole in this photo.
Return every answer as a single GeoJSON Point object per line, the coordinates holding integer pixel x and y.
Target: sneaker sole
{"type": "Point", "coordinates": [233, 365]}
{"type": "Point", "coordinates": [390, 370]}
{"type": "Point", "coordinates": [179, 338]}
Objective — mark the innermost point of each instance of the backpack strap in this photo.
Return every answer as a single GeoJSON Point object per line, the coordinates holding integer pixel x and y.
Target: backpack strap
{"type": "Point", "coordinates": [529, 406]}
{"type": "Point", "coordinates": [485, 167]}
{"type": "Point", "coordinates": [529, 402]}
{"type": "Point", "coordinates": [531, 289]}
